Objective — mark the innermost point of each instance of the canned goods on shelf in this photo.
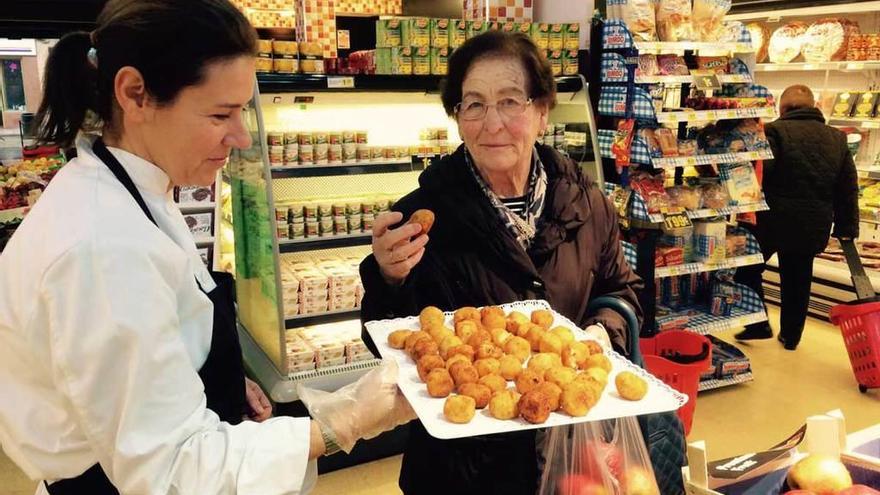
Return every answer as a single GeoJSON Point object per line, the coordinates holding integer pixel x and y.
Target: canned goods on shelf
{"type": "Point", "coordinates": [363, 153]}
{"type": "Point", "coordinates": [349, 152]}
{"type": "Point", "coordinates": [306, 138]}
{"type": "Point", "coordinates": [361, 137]}
{"type": "Point", "coordinates": [275, 138]}
{"type": "Point", "coordinates": [306, 154]}
{"type": "Point", "coordinates": [349, 137]}
{"type": "Point", "coordinates": [334, 153]}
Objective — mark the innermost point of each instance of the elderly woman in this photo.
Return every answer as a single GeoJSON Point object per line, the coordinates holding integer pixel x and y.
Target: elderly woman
{"type": "Point", "coordinates": [514, 220]}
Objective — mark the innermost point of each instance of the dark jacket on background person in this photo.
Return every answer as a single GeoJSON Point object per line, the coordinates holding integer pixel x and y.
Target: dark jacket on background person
{"type": "Point", "coordinates": [810, 184]}
{"type": "Point", "coordinates": [472, 259]}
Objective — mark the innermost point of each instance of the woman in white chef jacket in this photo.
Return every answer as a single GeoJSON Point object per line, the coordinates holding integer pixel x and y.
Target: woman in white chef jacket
{"type": "Point", "coordinates": [120, 369]}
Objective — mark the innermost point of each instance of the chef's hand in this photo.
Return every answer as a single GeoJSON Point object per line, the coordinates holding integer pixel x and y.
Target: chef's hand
{"type": "Point", "coordinates": [360, 410]}
{"type": "Point", "coordinates": [258, 403]}
{"type": "Point", "coordinates": [598, 332]}
{"type": "Point", "coordinates": [394, 249]}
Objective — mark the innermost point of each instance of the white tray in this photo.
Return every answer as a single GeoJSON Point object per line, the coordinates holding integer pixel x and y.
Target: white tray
{"type": "Point", "coordinates": [660, 397]}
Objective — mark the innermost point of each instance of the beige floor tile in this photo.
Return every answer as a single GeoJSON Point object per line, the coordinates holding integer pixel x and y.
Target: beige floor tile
{"type": "Point", "coordinates": [788, 387]}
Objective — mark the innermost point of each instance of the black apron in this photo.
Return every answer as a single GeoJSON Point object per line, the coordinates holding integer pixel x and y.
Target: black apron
{"type": "Point", "coordinates": [223, 371]}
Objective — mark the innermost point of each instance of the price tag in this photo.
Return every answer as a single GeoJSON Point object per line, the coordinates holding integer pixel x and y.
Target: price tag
{"type": "Point", "coordinates": [677, 220]}
{"type": "Point", "coordinates": [855, 66]}
{"type": "Point", "coordinates": [344, 82]}
{"type": "Point", "coordinates": [730, 114]}
{"type": "Point", "coordinates": [690, 161]}
{"type": "Point", "coordinates": [708, 82]}
{"type": "Point", "coordinates": [871, 125]}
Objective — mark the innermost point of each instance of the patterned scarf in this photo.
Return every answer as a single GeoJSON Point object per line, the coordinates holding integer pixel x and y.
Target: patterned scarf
{"type": "Point", "coordinates": [524, 229]}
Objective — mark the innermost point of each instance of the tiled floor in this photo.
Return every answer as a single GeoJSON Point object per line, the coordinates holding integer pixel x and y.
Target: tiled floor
{"type": "Point", "coordinates": [788, 387]}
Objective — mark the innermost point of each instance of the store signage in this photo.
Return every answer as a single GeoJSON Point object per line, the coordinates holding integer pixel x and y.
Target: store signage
{"type": "Point", "coordinates": [18, 48]}
{"type": "Point", "coordinates": [346, 82]}
{"type": "Point", "coordinates": [673, 220]}
{"type": "Point", "coordinates": [708, 82]}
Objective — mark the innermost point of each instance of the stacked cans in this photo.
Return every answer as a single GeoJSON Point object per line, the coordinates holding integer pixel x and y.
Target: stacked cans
{"type": "Point", "coordinates": [329, 218]}
{"type": "Point", "coordinates": [307, 148]}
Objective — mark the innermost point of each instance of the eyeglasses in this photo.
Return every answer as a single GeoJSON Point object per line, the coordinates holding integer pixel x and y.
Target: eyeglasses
{"type": "Point", "coordinates": [507, 108]}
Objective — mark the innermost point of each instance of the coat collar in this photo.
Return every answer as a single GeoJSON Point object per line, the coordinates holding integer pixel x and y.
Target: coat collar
{"type": "Point", "coordinates": [145, 175]}
{"type": "Point", "coordinates": [804, 114]}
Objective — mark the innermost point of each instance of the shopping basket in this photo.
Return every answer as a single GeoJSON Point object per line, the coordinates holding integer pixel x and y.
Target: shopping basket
{"type": "Point", "coordinates": [859, 322]}
{"type": "Point", "coordinates": [678, 358]}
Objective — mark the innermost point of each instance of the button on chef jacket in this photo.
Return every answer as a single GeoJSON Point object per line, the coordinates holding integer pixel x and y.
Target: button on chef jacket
{"type": "Point", "coordinates": [102, 332]}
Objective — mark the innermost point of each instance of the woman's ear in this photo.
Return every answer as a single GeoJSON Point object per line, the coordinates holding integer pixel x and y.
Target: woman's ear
{"type": "Point", "coordinates": [131, 95]}
{"type": "Point", "coordinates": [543, 117]}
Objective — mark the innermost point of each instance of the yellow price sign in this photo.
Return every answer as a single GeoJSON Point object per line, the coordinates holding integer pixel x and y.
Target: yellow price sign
{"type": "Point", "coordinates": [679, 220]}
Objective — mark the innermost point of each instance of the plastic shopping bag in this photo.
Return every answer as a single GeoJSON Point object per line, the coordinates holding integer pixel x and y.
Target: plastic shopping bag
{"type": "Point", "coordinates": [597, 458]}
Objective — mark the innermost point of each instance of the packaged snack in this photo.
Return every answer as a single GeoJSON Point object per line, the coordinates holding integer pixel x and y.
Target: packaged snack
{"type": "Point", "coordinates": [864, 108]}
{"type": "Point", "coordinates": [844, 104]}
{"type": "Point", "coordinates": [556, 37]}
{"type": "Point", "coordinates": [201, 225]}
{"type": "Point", "coordinates": [736, 245]}
{"type": "Point", "coordinates": [672, 65]}
{"type": "Point", "coordinates": [622, 142]}
{"type": "Point", "coordinates": [541, 35]}
{"type": "Point", "coordinates": [760, 35]}
{"type": "Point", "coordinates": [825, 40]}
{"type": "Point", "coordinates": [710, 240]}
{"type": "Point", "coordinates": [668, 141]}
{"type": "Point", "coordinates": [714, 195]}
{"type": "Point", "coordinates": [572, 37]}
{"type": "Point", "coordinates": [743, 186]}
{"type": "Point", "coordinates": [440, 33]}
{"type": "Point", "coordinates": [672, 256]}
{"type": "Point", "coordinates": [714, 65]}
{"type": "Point", "coordinates": [416, 32]}
{"type": "Point", "coordinates": [640, 19]}
{"type": "Point", "coordinates": [674, 20]}
{"type": "Point", "coordinates": [650, 139]}
{"type": "Point", "coordinates": [708, 19]}
{"type": "Point", "coordinates": [689, 198]}
{"type": "Point", "coordinates": [786, 42]}
{"type": "Point", "coordinates": [648, 66]}
{"type": "Point", "coordinates": [651, 189]}
{"type": "Point", "coordinates": [195, 194]}
{"type": "Point", "coordinates": [687, 147]}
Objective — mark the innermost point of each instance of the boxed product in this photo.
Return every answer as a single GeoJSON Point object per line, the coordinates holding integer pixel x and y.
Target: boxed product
{"type": "Point", "coordinates": [672, 256]}
{"type": "Point", "coordinates": [541, 35]}
{"type": "Point", "coordinates": [416, 32]}
{"type": "Point", "coordinates": [510, 27]}
{"type": "Point", "coordinates": [710, 239]}
{"type": "Point", "coordinates": [571, 37]}
{"type": "Point", "coordinates": [556, 38]}
{"type": "Point", "coordinates": [264, 62]}
{"type": "Point", "coordinates": [440, 29]}
{"type": "Point", "coordinates": [555, 59]}
{"type": "Point", "coordinates": [439, 61]}
{"type": "Point", "coordinates": [388, 32]}
{"type": "Point", "coordinates": [866, 104]}
{"type": "Point", "coordinates": [383, 60]}
{"type": "Point", "coordinates": [477, 27]}
{"type": "Point", "coordinates": [570, 62]}
{"type": "Point", "coordinates": [742, 185]}
{"type": "Point", "coordinates": [727, 360]}
{"type": "Point", "coordinates": [524, 28]}
{"type": "Point", "coordinates": [200, 224]}
{"type": "Point", "coordinates": [194, 194]}
{"type": "Point", "coordinates": [421, 61]}
{"type": "Point", "coordinates": [736, 245]}
{"type": "Point", "coordinates": [458, 33]}
{"type": "Point", "coordinates": [844, 104]}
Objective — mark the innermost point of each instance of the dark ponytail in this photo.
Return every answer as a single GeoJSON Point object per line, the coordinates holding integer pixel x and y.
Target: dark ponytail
{"type": "Point", "coordinates": [170, 42]}
{"type": "Point", "coordinates": [69, 90]}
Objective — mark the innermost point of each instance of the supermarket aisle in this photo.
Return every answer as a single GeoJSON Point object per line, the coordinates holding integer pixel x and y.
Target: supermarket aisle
{"type": "Point", "coordinates": [788, 387]}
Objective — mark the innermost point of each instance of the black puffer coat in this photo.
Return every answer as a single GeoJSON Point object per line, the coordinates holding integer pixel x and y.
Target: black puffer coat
{"type": "Point", "coordinates": [473, 260]}
{"type": "Point", "coordinates": [810, 184]}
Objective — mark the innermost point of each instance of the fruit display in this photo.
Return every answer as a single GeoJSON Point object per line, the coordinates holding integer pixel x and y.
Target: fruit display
{"type": "Point", "coordinates": [18, 180]}
{"type": "Point", "coordinates": [819, 474]}
{"type": "Point", "coordinates": [470, 364]}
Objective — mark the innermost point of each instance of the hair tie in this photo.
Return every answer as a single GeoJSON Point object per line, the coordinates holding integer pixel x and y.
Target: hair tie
{"type": "Point", "coordinates": [93, 57]}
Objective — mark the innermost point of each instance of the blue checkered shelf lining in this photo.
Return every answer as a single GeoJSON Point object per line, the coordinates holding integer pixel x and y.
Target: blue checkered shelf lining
{"type": "Point", "coordinates": [712, 159]}
{"type": "Point", "coordinates": [744, 35]}
{"type": "Point", "coordinates": [746, 311]}
{"type": "Point", "coordinates": [614, 69]}
{"type": "Point", "coordinates": [729, 210]}
{"type": "Point", "coordinates": [638, 152]}
{"type": "Point", "coordinates": [746, 91]}
{"type": "Point", "coordinates": [629, 252]}
{"type": "Point", "coordinates": [615, 35]}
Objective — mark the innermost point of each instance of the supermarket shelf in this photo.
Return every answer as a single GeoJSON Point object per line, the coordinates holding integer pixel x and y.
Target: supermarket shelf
{"type": "Point", "coordinates": [674, 46]}
{"type": "Point", "coordinates": [708, 115]}
{"type": "Point", "coordinates": [321, 318]}
{"type": "Point", "coordinates": [726, 382]}
{"type": "Point", "coordinates": [721, 212]}
{"type": "Point", "coordinates": [188, 207]}
{"type": "Point", "coordinates": [330, 242]}
{"type": "Point", "coordinates": [405, 165]}
{"type": "Point", "coordinates": [321, 378]}
{"type": "Point", "coordinates": [823, 66]}
{"type": "Point", "coordinates": [739, 318]}
{"type": "Point", "coordinates": [723, 78]}
{"type": "Point", "coordinates": [849, 122]}
{"type": "Point", "coordinates": [13, 214]}
{"type": "Point", "coordinates": [688, 268]}
{"type": "Point", "coordinates": [692, 161]}
{"type": "Point", "coordinates": [294, 83]}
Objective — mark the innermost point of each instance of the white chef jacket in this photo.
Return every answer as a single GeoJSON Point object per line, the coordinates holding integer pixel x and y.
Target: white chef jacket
{"type": "Point", "coordinates": [102, 331]}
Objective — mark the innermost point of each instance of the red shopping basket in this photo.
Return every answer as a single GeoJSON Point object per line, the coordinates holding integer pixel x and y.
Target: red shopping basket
{"type": "Point", "coordinates": [860, 325]}
{"type": "Point", "coordinates": [859, 322]}
{"type": "Point", "coordinates": [679, 345]}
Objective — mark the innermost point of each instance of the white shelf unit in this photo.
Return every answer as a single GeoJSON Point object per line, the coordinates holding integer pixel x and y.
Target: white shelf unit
{"type": "Point", "coordinates": [688, 268]}
{"type": "Point", "coordinates": [714, 384]}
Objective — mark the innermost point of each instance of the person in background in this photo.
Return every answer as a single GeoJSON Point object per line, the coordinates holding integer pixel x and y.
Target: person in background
{"type": "Point", "coordinates": [811, 187]}
{"type": "Point", "coordinates": [120, 365]}
{"type": "Point", "coordinates": [515, 220]}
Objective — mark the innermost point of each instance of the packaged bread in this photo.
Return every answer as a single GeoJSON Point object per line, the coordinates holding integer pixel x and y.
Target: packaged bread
{"type": "Point", "coordinates": [786, 42]}
{"type": "Point", "coordinates": [674, 20]}
{"type": "Point", "coordinates": [825, 40]}
{"type": "Point", "coordinates": [708, 19]}
{"type": "Point", "coordinates": [760, 35]}
{"type": "Point", "coordinates": [640, 19]}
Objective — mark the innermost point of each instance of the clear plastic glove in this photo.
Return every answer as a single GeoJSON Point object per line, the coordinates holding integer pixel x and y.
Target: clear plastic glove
{"type": "Point", "coordinates": [599, 333]}
{"type": "Point", "coordinates": [361, 410]}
